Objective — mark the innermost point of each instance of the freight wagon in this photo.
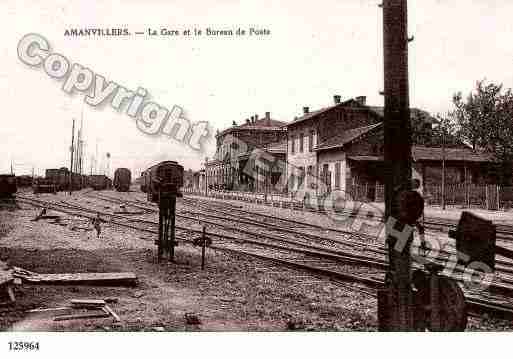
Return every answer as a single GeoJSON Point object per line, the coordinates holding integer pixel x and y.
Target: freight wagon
{"type": "Point", "coordinates": [7, 185]}
{"type": "Point", "coordinates": [122, 179]}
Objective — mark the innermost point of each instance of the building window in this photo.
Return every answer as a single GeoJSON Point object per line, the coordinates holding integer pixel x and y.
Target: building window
{"type": "Point", "coordinates": [309, 176]}
{"type": "Point", "coordinates": [301, 141]}
{"type": "Point", "coordinates": [291, 181]}
{"type": "Point", "coordinates": [301, 176]}
{"type": "Point", "coordinates": [311, 141]}
{"type": "Point", "coordinates": [326, 176]}
{"type": "Point", "coordinates": [337, 175]}
{"type": "Point", "coordinates": [292, 145]}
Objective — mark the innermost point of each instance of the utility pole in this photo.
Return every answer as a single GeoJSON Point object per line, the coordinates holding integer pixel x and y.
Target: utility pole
{"type": "Point", "coordinates": [96, 158]}
{"type": "Point", "coordinates": [206, 177]}
{"type": "Point", "coordinates": [108, 164]}
{"type": "Point", "coordinates": [443, 168]}
{"type": "Point", "coordinates": [71, 164]}
{"type": "Point", "coordinates": [12, 171]}
{"type": "Point", "coordinates": [397, 156]}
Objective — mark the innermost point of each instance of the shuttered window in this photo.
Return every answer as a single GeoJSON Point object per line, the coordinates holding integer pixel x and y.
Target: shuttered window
{"type": "Point", "coordinates": [337, 175]}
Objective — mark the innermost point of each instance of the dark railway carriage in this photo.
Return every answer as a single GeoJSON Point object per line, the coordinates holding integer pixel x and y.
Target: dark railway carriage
{"type": "Point", "coordinates": [122, 179]}
{"type": "Point", "coordinates": [60, 178]}
{"type": "Point", "coordinates": [52, 175]}
{"type": "Point", "coordinates": [167, 173]}
{"type": "Point", "coordinates": [24, 181]}
{"type": "Point", "coordinates": [99, 182]}
{"type": "Point", "coordinates": [44, 185]}
{"type": "Point", "coordinates": [7, 185]}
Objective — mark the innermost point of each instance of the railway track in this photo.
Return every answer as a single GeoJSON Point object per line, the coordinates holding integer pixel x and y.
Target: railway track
{"type": "Point", "coordinates": [356, 244]}
{"type": "Point", "coordinates": [504, 232]}
{"type": "Point", "coordinates": [335, 265]}
{"type": "Point", "coordinates": [350, 250]}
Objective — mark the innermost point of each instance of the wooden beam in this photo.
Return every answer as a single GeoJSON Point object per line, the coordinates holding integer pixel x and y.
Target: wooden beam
{"type": "Point", "coordinates": [101, 314]}
{"type": "Point", "coordinates": [101, 279]}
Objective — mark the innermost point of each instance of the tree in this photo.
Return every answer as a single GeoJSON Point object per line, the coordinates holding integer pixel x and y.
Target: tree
{"type": "Point", "coordinates": [485, 121]}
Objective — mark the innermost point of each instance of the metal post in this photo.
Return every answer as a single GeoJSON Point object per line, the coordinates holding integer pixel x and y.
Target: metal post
{"type": "Point", "coordinates": [206, 177]}
{"type": "Point", "coordinates": [172, 209]}
{"type": "Point", "coordinates": [397, 156]}
{"type": "Point", "coordinates": [71, 164]}
{"type": "Point", "coordinates": [467, 194]}
{"type": "Point", "coordinates": [203, 245]}
{"type": "Point", "coordinates": [160, 249]}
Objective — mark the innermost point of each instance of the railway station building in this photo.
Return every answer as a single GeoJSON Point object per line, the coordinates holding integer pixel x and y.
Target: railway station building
{"type": "Point", "coordinates": [340, 148]}
{"type": "Point", "coordinates": [353, 164]}
{"type": "Point", "coordinates": [248, 156]}
{"type": "Point", "coordinates": [319, 129]}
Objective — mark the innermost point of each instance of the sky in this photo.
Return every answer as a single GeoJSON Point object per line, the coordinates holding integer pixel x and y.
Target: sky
{"type": "Point", "coordinates": [314, 51]}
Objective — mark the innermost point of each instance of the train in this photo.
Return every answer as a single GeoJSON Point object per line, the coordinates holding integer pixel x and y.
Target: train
{"type": "Point", "coordinates": [100, 182]}
{"type": "Point", "coordinates": [44, 185]}
{"type": "Point", "coordinates": [164, 174]}
{"type": "Point", "coordinates": [24, 181]}
{"type": "Point", "coordinates": [8, 185]}
{"type": "Point", "coordinates": [59, 177]}
{"type": "Point", "coordinates": [122, 179]}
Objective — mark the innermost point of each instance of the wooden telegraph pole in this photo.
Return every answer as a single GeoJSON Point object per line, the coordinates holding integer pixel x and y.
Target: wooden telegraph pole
{"type": "Point", "coordinates": [71, 161]}
{"type": "Point", "coordinates": [443, 168]}
{"type": "Point", "coordinates": [206, 177]}
{"type": "Point", "coordinates": [397, 156]}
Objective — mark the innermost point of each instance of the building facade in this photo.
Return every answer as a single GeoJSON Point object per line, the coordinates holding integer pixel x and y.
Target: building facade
{"type": "Point", "coordinates": [247, 155]}
{"type": "Point", "coordinates": [356, 165]}
{"type": "Point", "coordinates": [305, 133]}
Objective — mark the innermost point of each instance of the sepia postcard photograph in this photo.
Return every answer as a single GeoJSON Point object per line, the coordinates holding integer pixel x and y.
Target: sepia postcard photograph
{"type": "Point", "coordinates": [255, 178]}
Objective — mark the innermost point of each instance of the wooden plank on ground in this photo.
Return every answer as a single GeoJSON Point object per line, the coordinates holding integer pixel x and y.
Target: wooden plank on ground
{"type": "Point", "coordinates": [107, 279]}
{"type": "Point", "coordinates": [87, 303]}
{"type": "Point", "coordinates": [82, 316]}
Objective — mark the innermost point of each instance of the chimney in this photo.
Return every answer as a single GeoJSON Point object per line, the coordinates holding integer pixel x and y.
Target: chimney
{"type": "Point", "coordinates": [248, 121]}
{"type": "Point", "coordinates": [234, 123]}
{"type": "Point", "coordinates": [336, 99]}
{"type": "Point", "coordinates": [252, 119]}
{"type": "Point", "coordinates": [256, 118]}
{"type": "Point", "coordinates": [268, 118]}
{"type": "Point", "coordinates": [362, 100]}
{"type": "Point", "coordinates": [306, 109]}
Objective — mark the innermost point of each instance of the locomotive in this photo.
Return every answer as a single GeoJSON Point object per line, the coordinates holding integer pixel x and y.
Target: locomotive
{"type": "Point", "coordinates": [162, 176]}
{"type": "Point", "coordinates": [122, 179]}
{"type": "Point", "coordinates": [7, 185]}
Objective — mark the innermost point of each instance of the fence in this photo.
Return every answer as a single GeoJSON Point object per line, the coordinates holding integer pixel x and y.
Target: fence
{"type": "Point", "coordinates": [486, 196]}
{"type": "Point", "coordinates": [491, 197]}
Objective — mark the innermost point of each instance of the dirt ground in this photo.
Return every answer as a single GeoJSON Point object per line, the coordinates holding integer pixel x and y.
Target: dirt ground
{"type": "Point", "coordinates": [233, 293]}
